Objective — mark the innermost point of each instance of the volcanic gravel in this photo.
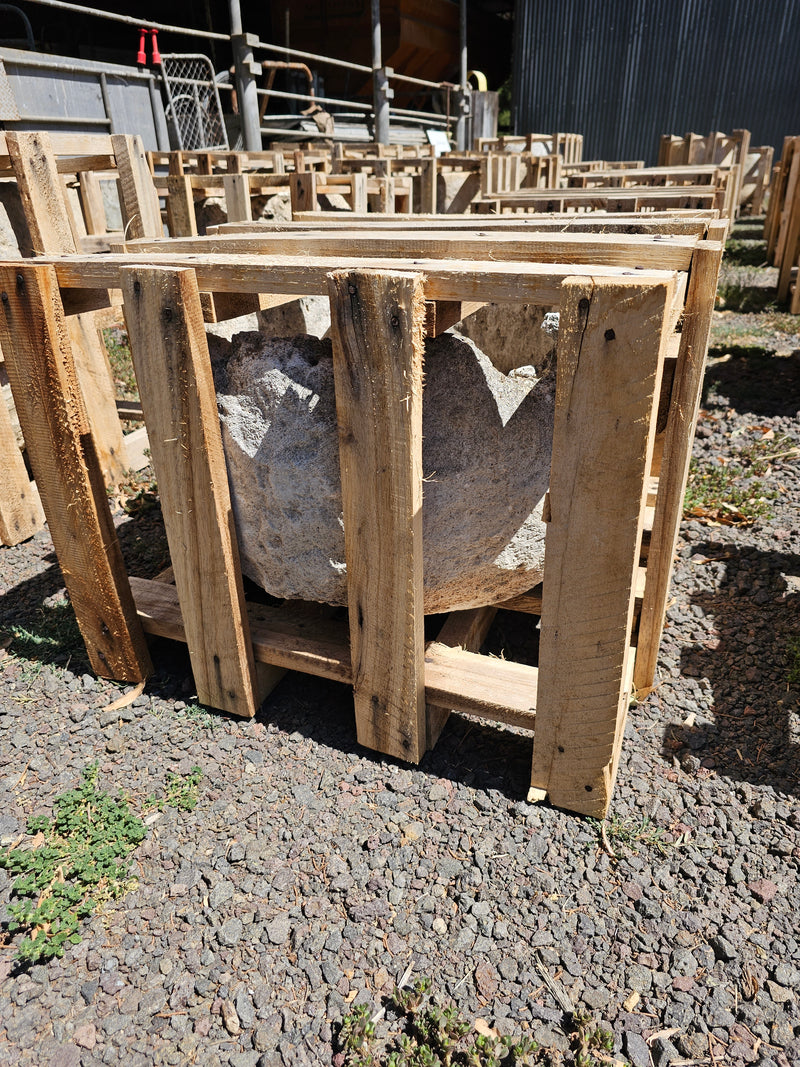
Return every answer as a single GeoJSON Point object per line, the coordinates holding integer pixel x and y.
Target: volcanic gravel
{"type": "Point", "coordinates": [312, 871]}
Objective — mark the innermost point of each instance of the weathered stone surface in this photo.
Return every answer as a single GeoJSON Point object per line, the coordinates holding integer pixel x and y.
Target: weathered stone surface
{"type": "Point", "coordinates": [514, 335]}
{"type": "Point", "coordinates": [486, 459]}
{"type": "Point", "coordinates": [212, 211]}
{"type": "Point", "coordinates": [309, 314]}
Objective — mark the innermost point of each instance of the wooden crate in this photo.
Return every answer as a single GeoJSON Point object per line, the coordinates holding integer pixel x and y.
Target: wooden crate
{"type": "Point", "coordinates": [631, 396]}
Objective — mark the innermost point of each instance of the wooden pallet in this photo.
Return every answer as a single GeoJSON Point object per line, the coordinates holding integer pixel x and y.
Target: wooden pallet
{"type": "Point", "coordinates": [615, 410]}
{"type": "Point", "coordinates": [58, 183]}
{"type": "Point", "coordinates": [782, 225]}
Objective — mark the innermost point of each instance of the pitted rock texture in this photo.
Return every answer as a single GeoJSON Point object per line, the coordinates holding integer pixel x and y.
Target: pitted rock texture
{"type": "Point", "coordinates": [486, 460]}
{"type": "Point", "coordinates": [514, 335]}
{"type": "Point", "coordinates": [213, 211]}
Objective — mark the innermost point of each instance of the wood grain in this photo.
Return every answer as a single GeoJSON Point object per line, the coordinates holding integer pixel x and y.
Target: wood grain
{"type": "Point", "coordinates": [376, 327]}
{"type": "Point", "coordinates": [676, 456]}
{"type": "Point", "coordinates": [173, 373]}
{"type": "Point", "coordinates": [38, 356]}
{"type": "Point", "coordinates": [610, 354]}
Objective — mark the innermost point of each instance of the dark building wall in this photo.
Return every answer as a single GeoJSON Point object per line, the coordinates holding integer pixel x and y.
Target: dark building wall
{"type": "Point", "coordinates": [623, 72]}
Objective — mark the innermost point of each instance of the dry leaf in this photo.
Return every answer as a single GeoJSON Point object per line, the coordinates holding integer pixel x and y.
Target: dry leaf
{"type": "Point", "coordinates": [483, 1028]}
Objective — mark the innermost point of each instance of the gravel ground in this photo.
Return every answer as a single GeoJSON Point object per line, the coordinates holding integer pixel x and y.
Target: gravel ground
{"type": "Point", "coordinates": [312, 872]}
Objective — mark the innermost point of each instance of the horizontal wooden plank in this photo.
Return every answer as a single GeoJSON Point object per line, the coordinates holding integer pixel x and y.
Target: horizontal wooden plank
{"type": "Point", "coordinates": [536, 283]}
{"type": "Point", "coordinates": [677, 223]}
{"type": "Point", "coordinates": [530, 602]}
{"type": "Point", "coordinates": [494, 689]}
{"type": "Point", "coordinates": [491, 688]}
{"type": "Point", "coordinates": [318, 220]}
{"type": "Point", "coordinates": [656, 252]}
{"type": "Point", "coordinates": [629, 192]}
{"type": "Point", "coordinates": [77, 164]}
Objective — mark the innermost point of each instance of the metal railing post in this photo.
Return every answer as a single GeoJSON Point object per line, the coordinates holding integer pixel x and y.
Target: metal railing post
{"type": "Point", "coordinates": [381, 93]}
{"type": "Point", "coordinates": [247, 70]}
{"type": "Point", "coordinates": [463, 98]}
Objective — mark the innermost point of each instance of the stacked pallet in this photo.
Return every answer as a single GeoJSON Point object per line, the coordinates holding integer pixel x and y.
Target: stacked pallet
{"type": "Point", "coordinates": [782, 224]}
{"type": "Point", "coordinates": [635, 303]}
{"type": "Point", "coordinates": [728, 150]}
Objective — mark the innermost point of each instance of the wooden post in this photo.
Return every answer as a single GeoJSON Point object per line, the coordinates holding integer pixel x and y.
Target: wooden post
{"type": "Point", "coordinates": [38, 356]}
{"type": "Point", "coordinates": [610, 357]}
{"type": "Point", "coordinates": [138, 197]}
{"type": "Point", "coordinates": [173, 372]}
{"type": "Point", "coordinates": [677, 454]}
{"type": "Point", "coordinates": [376, 328]}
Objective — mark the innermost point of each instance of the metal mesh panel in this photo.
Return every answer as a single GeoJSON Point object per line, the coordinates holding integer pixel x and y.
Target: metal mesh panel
{"type": "Point", "coordinates": [193, 107]}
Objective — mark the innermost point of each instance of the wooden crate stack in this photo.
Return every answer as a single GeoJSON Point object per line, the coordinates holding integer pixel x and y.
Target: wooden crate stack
{"type": "Point", "coordinates": [625, 414]}
{"type": "Point", "coordinates": [729, 150]}
{"type": "Point", "coordinates": [782, 224]}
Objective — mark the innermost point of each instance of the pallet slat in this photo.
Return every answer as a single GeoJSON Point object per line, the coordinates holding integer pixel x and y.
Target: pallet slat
{"type": "Point", "coordinates": [376, 327]}
{"type": "Point", "coordinates": [41, 370]}
{"type": "Point", "coordinates": [173, 372]}
{"type": "Point", "coordinates": [609, 367]}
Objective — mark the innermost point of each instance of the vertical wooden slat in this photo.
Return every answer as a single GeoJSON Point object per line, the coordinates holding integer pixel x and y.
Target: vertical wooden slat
{"type": "Point", "coordinates": [138, 197]}
{"type": "Point", "coordinates": [173, 372]}
{"type": "Point", "coordinates": [91, 196]}
{"type": "Point", "coordinates": [237, 197]}
{"type": "Point", "coordinates": [359, 192]}
{"type": "Point", "coordinates": [303, 190]}
{"type": "Point", "coordinates": [181, 219]}
{"type": "Point", "coordinates": [610, 357]}
{"type": "Point", "coordinates": [41, 193]}
{"type": "Point", "coordinates": [46, 216]}
{"type": "Point", "coordinates": [35, 343]}
{"type": "Point", "coordinates": [376, 328]}
{"type": "Point", "coordinates": [677, 454]}
{"type": "Point", "coordinates": [21, 512]}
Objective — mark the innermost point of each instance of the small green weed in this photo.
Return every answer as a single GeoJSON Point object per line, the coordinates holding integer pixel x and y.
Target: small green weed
{"type": "Point", "coordinates": [119, 354]}
{"type": "Point", "coordinates": [793, 659]}
{"type": "Point", "coordinates": [181, 791]}
{"type": "Point", "coordinates": [632, 834]}
{"type": "Point", "coordinates": [726, 494]}
{"type": "Point", "coordinates": [75, 863]}
{"type": "Point", "coordinates": [747, 252]}
{"type": "Point", "coordinates": [136, 495]}
{"type": "Point", "coordinates": [422, 1033]}
{"type": "Point", "coordinates": [53, 637]}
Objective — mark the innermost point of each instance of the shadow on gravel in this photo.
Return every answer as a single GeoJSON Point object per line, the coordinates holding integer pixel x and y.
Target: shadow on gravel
{"type": "Point", "coordinates": [755, 736]}
{"type": "Point", "coordinates": [754, 380]}
{"type": "Point", "coordinates": [471, 752]}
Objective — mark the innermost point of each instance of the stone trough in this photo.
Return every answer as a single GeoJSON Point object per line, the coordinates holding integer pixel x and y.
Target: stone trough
{"type": "Point", "coordinates": [486, 459]}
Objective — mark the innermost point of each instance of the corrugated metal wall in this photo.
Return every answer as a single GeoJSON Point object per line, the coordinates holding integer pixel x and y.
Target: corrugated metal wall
{"type": "Point", "coordinates": [623, 72]}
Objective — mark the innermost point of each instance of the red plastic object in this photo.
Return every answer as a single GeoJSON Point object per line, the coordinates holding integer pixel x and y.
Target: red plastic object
{"type": "Point", "coordinates": [141, 58]}
{"type": "Point", "coordinates": [154, 48]}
